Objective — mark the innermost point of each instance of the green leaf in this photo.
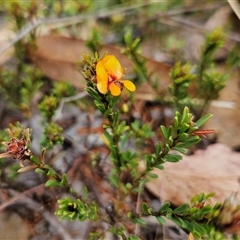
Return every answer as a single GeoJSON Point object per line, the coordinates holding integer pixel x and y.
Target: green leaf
{"type": "Point", "coordinates": [196, 234]}
{"type": "Point", "coordinates": [210, 195]}
{"type": "Point", "coordinates": [179, 221]}
{"type": "Point", "coordinates": [165, 208]}
{"type": "Point", "coordinates": [202, 120]}
{"type": "Point", "coordinates": [64, 180]}
{"type": "Point", "coordinates": [129, 215]}
{"type": "Point", "coordinates": [129, 186]}
{"type": "Point", "coordinates": [199, 228]}
{"type": "Point", "coordinates": [172, 158]}
{"type": "Point", "coordinates": [193, 210]}
{"type": "Point", "coordinates": [158, 148]}
{"type": "Point", "coordinates": [52, 183]}
{"type": "Point", "coordinates": [180, 149]}
{"type": "Point", "coordinates": [184, 127]}
{"type": "Point", "coordinates": [201, 197]}
{"type": "Point", "coordinates": [94, 94]}
{"type": "Point", "coordinates": [122, 127]}
{"type": "Point", "coordinates": [144, 207]}
{"type": "Point", "coordinates": [185, 115]}
{"type": "Point", "coordinates": [39, 170]}
{"type": "Point", "coordinates": [139, 221]}
{"type": "Point", "coordinates": [114, 178]}
{"type": "Point", "coordinates": [181, 209]}
{"type": "Point", "coordinates": [135, 126]}
{"type": "Point", "coordinates": [192, 139]}
{"type": "Point", "coordinates": [152, 175]}
{"type": "Point", "coordinates": [136, 43]}
{"type": "Point", "coordinates": [133, 238]}
{"type": "Point", "coordinates": [128, 38]}
{"type": "Point", "coordinates": [114, 154]}
{"type": "Point", "coordinates": [115, 118]}
{"type": "Point", "coordinates": [148, 160]}
{"type": "Point", "coordinates": [128, 156]}
{"type": "Point", "coordinates": [189, 226]}
{"type": "Point", "coordinates": [205, 210]}
{"type": "Point", "coordinates": [124, 138]}
{"type": "Point", "coordinates": [108, 137]}
{"type": "Point", "coordinates": [34, 160]}
{"type": "Point", "coordinates": [161, 220]}
{"type": "Point", "coordinates": [175, 124]}
{"type": "Point", "coordinates": [164, 132]}
{"type": "Point", "coordinates": [169, 132]}
{"type": "Point", "coordinates": [182, 137]}
{"type": "Point", "coordinates": [51, 171]}
{"type": "Point", "coordinates": [187, 143]}
{"type": "Point", "coordinates": [159, 166]}
{"type": "Point", "coordinates": [100, 106]}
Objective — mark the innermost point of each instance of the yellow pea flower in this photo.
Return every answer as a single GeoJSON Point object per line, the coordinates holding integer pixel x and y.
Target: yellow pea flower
{"type": "Point", "coordinates": [109, 73]}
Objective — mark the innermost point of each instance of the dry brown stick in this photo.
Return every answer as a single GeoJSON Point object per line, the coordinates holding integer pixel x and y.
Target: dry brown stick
{"type": "Point", "coordinates": [186, 24]}
{"type": "Point", "coordinates": [29, 203]}
{"type": "Point", "coordinates": [101, 14]}
{"type": "Point", "coordinates": [194, 8]}
{"type": "Point", "coordinates": [69, 21]}
{"type": "Point", "coordinates": [18, 197]}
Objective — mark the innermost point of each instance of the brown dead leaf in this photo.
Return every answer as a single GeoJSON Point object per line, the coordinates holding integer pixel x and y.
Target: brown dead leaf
{"type": "Point", "coordinates": [57, 57]}
{"type": "Point", "coordinates": [215, 169]}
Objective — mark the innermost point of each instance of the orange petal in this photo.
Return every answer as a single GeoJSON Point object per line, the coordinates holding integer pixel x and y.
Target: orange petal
{"type": "Point", "coordinates": [102, 78]}
{"type": "Point", "coordinates": [129, 85]}
{"type": "Point", "coordinates": [114, 89]}
{"type": "Point", "coordinates": [113, 67]}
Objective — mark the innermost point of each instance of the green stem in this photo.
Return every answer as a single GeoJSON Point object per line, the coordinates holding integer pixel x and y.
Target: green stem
{"type": "Point", "coordinates": [158, 159]}
{"type": "Point", "coordinates": [115, 136]}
